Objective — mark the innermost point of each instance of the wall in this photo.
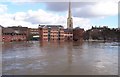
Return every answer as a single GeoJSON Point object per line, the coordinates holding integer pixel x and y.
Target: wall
{"type": "Point", "coordinates": [10, 38]}
{"type": "Point", "coordinates": [0, 34]}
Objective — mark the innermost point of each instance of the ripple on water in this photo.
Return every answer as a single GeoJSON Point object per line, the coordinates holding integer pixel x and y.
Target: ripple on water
{"type": "Point", "coordinates": [86, 58]}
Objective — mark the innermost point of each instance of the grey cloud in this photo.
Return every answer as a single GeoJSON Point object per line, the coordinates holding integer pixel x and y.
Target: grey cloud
{"type": "Point", "coordinates": [84, 9]}
{"type": "Point", "coordinates": [63, 6]}
{"type": "Point", "coordinates": [84, 12]}
{"type": "Point", "coordinates": [56, 6]}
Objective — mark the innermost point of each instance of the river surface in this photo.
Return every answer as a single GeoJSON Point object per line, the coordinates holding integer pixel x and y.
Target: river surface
{"type": "Point", "coordinates": [60, 58]}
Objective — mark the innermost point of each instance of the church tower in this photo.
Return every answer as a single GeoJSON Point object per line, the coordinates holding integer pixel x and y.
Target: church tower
{"type": "Point", "coordinates": [69, 19]}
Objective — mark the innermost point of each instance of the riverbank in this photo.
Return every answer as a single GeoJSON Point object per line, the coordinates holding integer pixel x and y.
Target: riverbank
{"type": "Point", "coordinates": [61, 41]}
{"type": "Point", "coordinates": [101, 40]}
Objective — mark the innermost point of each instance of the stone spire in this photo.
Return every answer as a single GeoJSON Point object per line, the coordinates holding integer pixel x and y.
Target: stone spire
{"type": "Point", "coordinates": [69, 12]}
{"type": "Point", "coordinates": [69, 19]}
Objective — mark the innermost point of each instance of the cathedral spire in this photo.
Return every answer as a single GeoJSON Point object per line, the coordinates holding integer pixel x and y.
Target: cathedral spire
{"type": "Point", "coordinates": [69, 12]}
{"type": "Point", "coordinates": [69, 19]}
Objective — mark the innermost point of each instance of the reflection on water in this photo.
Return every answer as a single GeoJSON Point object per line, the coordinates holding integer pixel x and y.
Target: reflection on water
{"type": "Point", "coordinates": [60, 58]}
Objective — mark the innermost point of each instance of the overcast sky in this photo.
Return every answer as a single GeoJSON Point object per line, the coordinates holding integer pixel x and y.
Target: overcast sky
{"type": "Point", "coordinates": [33, 12]}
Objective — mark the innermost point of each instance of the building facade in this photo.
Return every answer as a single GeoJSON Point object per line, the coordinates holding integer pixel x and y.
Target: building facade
{"type": "Point", "coordinates": [33, 31]}
{"type": "Point", "coordinates": [15, 33]}
{"type": "Point", "coordinates": [68, 34]}
{"type": "Point", "coordinates": [78, 34]}
{"type": "Point", "coordinates": [0, 33]}
{"type": "Point", "coordinates": [33, 34]}
{"type": "Point", "coordinates": [51, 32]}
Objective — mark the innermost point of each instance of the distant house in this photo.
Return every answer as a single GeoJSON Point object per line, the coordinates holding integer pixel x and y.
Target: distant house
{"type": "Point", "coordinates": [102, 33]}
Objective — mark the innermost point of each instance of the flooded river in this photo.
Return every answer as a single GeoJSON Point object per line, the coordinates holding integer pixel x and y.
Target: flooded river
{"type": "Point", "coordinates": [58, 58]}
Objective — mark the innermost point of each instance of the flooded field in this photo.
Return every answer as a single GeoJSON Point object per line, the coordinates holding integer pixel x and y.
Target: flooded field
{"type": "Point", "coordinates": [60, 58]}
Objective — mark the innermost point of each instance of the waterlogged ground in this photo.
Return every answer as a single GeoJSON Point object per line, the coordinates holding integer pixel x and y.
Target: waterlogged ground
{"type": "Point", "coordinates": [77, 58]}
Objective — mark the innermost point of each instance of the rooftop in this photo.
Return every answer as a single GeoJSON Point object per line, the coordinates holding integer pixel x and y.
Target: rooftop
{"type": "Point", "coordinates": [51, 26]}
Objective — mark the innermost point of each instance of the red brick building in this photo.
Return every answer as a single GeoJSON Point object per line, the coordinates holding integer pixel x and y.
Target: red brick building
{"type": "Point", "coordinates": [78, 34]}
{"type": "Point", "coordinates": [33, 31]}
{"type": "Point", "coordinates": [0, 33]}
{"type": "Point", "coordinates": [33, 34]}
{"type": "Point", "coordinates": [68, 34]}
{"type": "Point", "coordinates": [15, 33]}
{"type": "Point", "coordinates": [51, 32]}
{"type": "Point", "coordinates": [57, 32]}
